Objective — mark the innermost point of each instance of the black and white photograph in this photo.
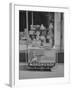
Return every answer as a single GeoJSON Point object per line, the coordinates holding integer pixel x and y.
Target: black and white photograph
{"type": "Point", "coordinates": [41, 44]}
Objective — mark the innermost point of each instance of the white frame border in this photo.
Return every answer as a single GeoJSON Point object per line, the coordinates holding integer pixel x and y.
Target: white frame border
{"type": "Point", "coordinates": [14, 47]}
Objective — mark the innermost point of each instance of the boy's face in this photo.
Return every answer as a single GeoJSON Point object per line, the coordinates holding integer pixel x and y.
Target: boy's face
{"type": "Point", "coordinates": [38, 33]}
{"type": "Point", "coordinates": [37, 37]}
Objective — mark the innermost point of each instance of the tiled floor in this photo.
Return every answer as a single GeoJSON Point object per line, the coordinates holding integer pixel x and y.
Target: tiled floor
{"type": "Point", "coordinates": [57, 71]}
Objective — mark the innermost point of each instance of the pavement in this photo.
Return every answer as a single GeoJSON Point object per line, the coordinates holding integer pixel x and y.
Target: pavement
{"type": "Point", "coordinates": [57, 71]}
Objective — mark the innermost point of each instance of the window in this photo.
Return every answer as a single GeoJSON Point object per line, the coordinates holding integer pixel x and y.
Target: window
{"type": "Point", "coordinates": [38, 27]}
